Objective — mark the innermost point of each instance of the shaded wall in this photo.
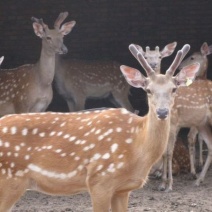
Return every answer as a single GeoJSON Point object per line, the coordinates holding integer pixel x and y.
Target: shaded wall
{"type": "Point", "coordinates": [105, 28]}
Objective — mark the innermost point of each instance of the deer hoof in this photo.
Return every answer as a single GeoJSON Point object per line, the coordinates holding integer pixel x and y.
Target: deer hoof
{"type": "Point", "coordinates": [162, 187]}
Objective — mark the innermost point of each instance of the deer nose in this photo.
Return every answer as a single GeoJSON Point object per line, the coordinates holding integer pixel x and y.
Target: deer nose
{"type": "Point", "coordinates": [64, 50]}
{"type": "Point", "coordinates": [162, 113]}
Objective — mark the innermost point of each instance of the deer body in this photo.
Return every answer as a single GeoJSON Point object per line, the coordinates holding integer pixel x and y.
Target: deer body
{"type": "Point", "coordinates": [78, 80]}
{"type": "Point", "coordinates": [28, 88]}
{"type": "Point", "coordinates": [202, 58]}
{"type": "Point", "coordinates": [106, 152]}
{"type": "Point", "coordinates": [68, 159]}
{"type": "Point", "coordinates": [196, 97]}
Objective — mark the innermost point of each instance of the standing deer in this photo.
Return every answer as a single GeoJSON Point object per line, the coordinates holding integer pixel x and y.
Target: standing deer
{"type": "Point", "coordinates": [185, 106]}
{"type": "Point", "coordinates": [105, 152]}
{"type": "Point", "coordinates": [201, 58]}
{"type": "Point", "coordinates": [28, 88]}
{"type": "Point", "coordinates": [78, 80]}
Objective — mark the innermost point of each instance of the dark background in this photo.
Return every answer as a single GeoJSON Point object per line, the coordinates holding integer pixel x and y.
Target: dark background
{"type": "Point", "coordinates": [104, 30]}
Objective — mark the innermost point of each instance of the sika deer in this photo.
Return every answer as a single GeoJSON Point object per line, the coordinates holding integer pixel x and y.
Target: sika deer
{"type": "Point", "coordinates": [28, 88]}
{"type": "Point", "coordinates": [202, 59]}
{"type": "Point", "coordinates": [154, 57]}
{"type": "Point", "coordinates": [106, 152]}
{"type": "Point", "coordinates": [182, 114]}
{"type": "Point", "coordinates": [78, 80]}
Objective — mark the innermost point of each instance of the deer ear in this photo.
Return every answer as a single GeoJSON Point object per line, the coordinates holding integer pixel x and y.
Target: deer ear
{"type": "Point", "coordinates": [134, 77]}
{"type": "Point", "coordinates": [1, 59]}
{"type": "Point", "coordinates": [67, 27]}
{"type": "Point", "coordinates": [168, 49]}
{"type": "Point", "coordinates": [187, 75]}
{"type": "Point", "coordinates": [38, 29]}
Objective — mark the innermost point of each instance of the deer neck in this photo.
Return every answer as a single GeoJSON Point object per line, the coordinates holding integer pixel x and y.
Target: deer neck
{"type": "Point", "coordinates": [157, 134]}
{"type": "Point", "coordinates": [46, 66]}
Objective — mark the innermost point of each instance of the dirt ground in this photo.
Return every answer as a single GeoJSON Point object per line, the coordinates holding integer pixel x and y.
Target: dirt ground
{"type": "Point", "coordinates": [184, 198]}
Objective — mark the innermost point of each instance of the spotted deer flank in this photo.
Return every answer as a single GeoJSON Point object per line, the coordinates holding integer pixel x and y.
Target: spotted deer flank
{"type": "Point", "coordinates": [180, 160]}
{"type": "Point", "coordinates": [105, 152]}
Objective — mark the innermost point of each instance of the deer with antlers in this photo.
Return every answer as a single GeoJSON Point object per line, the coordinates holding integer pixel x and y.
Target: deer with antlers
{"type": "Point", "coordinates": [197, 98]}
{"type": "Point", "coordinates": [28, 88]}
{"type": "Point", "coordinates": [154, 57]}
{"type": "Point", "coordinates": [105, 152]}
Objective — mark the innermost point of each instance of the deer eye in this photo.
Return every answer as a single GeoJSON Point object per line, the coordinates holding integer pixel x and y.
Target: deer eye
{"type": "Point", "coordinates": [148, 91]}
{"type": "Point", "coordinates": [48, 38]}
{"type": "Point", "coordinates": [192, 58]}
{"type": "Point", "coordinates": [174, 90]}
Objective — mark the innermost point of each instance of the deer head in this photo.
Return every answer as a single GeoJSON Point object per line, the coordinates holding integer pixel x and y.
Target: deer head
{"type": "Point", "coordinates": [199, 57]}
{"type": "Point", "coordinates": [160, 88]}
{"type": "Point", "coordinates": [154, 57]}
{"type": "Point", "coordinates": [53, 38]}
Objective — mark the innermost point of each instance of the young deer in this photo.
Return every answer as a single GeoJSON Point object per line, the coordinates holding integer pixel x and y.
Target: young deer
{"type": "Point", "coordinates": [154, 57]}
{"type": "Point", "coordinates": [202, 59]}
{"type": "Point", "coordinates": [105, 152]}
{"type": "Point", "coordinates": [28, 88]}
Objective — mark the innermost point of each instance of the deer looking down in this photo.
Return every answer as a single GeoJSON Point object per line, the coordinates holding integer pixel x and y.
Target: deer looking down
{"type": "Point", "coordinates": [28, 88]}
{"type": "Point", "coordinates": [105, 152]}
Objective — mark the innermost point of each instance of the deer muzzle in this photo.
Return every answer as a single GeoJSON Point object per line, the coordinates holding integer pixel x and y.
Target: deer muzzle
{"type": "Point", "coordinates": [64, 50]}
{"type": "Point", "coordinates": [162, 113]}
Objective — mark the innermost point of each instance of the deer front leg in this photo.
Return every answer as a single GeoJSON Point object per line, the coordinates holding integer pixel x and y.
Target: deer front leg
{"type": "Point", "coordinates": [10, 192]}
{"type": "Point", "coordinates": [100, 193]}
{"type": "Point", "coordinates": [167, 161]}
{"type": "Point", "coordinates": [121, 99]}
{"type": "Point", "coordinates": [162, 186]}
{"type": "Point", "coordinates": [207, 137]}
{"type": "Point", "coordinates": [191, 144]}
{"type": "Point", "coordinates": [120, 202]}
{"type": "Point", "coordinates": [200, 140]}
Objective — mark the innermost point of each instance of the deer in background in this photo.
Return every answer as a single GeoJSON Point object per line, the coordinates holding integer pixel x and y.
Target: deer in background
{"type": "Point", "coordinates": [78, 80]}
{"type": "Point", "coordinates": [202, 59]}
{"type": "Point", "coordinates": [105, 152]}
{"type": "Point", "coordinates": [28, 88]}
{"type": "Point", "coordinates": [154, 57]}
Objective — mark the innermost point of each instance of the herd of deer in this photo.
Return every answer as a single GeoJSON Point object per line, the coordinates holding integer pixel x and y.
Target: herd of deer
{"type": "Point", "coordinates": [107, 152]}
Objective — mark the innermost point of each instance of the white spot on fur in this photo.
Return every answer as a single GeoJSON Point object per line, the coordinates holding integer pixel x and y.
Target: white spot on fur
{"type": "Point", "coordinates": [24, 131]}
{"type": "Point", "coordinates": [35, 131]}
{"type": "Point", "coordinates": [17, 148]}
{"type": "Point", "coordinates": [13, 130]}
{"type": "Point", "coordinates": [118, 129]}
{"type": "Point", "coordinates": [129, 140]}
{"type": "Point", "coordinates": [114, 147]}
{"type": "Point", "coordinates": [4, 129]}
{"type": "Point", "coordinates": [106, 156]}
{"type": "Point", "coordinates": [119, 165]}
{"type": "Point", "coordinates": [26, 157]}
{"type": "Point", "coordinates": [7, 144]}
